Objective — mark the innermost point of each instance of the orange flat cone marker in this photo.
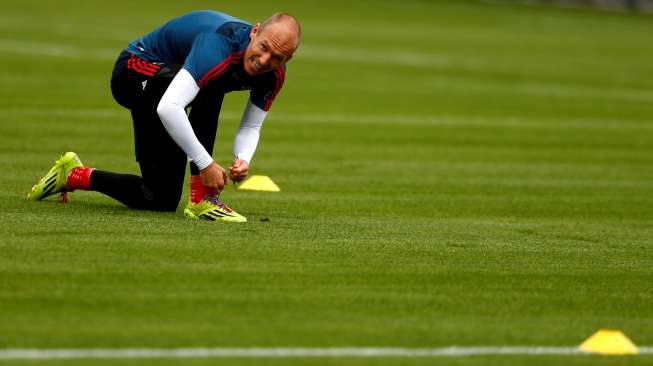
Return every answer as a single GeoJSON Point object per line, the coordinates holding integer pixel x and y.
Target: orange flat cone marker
{"type": "Point", "coordinates": [609, 342]}
{"type": "Point", "coordinates": [259, 183]}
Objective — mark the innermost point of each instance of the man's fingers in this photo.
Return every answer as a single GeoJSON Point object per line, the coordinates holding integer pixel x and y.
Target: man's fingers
{"type": "Point", "coordinates": [238, 170]}
{"type": "Point", "coordinates": [237, 177]}
{"type": "Point", "coordinates": [220, 182]}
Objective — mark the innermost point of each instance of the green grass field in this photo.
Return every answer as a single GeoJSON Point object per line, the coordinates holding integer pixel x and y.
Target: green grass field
{"type": "Point", "coordinates": [452, 173]}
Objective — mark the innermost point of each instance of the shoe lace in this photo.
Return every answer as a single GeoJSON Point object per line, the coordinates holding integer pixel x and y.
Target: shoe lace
{"type": "Point", "coordinates": [215, 201]}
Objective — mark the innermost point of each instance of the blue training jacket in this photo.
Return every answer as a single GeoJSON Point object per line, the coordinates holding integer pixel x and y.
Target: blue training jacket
{"type": "Point", "coordinates": [210, 45]}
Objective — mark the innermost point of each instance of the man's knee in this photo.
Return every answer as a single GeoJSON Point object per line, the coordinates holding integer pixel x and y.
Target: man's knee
{"type": "Point", "coordinates": [163, 182]}
{"type": "Point", "coordinates": [161, 200]}
{"type": "Point", "coordinates": [165, 204]}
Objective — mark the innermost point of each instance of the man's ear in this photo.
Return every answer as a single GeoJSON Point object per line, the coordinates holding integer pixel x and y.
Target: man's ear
{"type": "Point", "coordinates": [254, 30]}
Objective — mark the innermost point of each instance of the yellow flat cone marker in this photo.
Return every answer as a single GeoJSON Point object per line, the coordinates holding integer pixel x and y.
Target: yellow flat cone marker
{"type": "Point", "coordinates": [259, 183]}
{"type": "Point", "coordinates": [609, 342]}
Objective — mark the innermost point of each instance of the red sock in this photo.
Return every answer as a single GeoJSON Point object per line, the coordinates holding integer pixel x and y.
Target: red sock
{"type": "Point", "coordinates": [198, 190]}
{"type": "Point", "coordinates": [79, 178]}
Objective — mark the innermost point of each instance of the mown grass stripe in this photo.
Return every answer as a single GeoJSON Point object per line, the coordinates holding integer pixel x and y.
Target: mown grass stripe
{"type": "Point", "coordinates": [453, 351]}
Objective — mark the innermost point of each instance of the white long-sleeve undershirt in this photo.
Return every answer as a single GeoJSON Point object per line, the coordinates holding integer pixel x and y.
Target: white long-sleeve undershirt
{"type": "Point", "coordinates": [172, 112]}
{"type": "Point", "coordinates": [248, 134]}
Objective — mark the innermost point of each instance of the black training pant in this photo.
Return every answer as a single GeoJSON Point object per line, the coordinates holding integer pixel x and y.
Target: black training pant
{"type": "Point", "coordinates": [138, 86]}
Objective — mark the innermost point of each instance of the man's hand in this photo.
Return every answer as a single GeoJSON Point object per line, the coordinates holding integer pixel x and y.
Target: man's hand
{"type": "Point", "coordinates": [238, 170]}
{"type": "Point", "coordinates": [213, 177]}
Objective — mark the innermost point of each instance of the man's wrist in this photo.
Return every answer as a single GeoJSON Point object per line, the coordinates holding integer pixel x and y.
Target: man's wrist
{"type": "Point", "coordinates": [203, 161]}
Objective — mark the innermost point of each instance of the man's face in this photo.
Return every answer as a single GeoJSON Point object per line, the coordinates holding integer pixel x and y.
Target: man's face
{"type": "Point", "coordinates": [267, 50]}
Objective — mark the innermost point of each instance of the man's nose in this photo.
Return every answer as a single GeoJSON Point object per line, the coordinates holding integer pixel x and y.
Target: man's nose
{"type": "Point", "coordinates": [264, 59]}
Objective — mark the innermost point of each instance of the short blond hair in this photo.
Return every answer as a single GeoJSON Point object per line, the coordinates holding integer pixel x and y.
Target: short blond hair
{"type": "Point", "coordinates": [283, 17]}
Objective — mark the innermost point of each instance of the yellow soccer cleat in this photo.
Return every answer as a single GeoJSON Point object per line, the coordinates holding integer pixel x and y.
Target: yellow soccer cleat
{"type": "Point", "coordinates": [55, 180]}
{"type": "Point", "coordinates": [212, 209]}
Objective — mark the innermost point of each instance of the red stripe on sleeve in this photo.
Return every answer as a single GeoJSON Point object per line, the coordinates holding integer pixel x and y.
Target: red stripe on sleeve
{"type": "Point", "coordinates": [280, 75]}
{"type": "Point", "coordinates": [218, 70]}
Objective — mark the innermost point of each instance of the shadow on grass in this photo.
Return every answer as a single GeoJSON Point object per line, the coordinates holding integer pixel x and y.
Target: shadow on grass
{"type": "Point", "coordinates": [92, 207]}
